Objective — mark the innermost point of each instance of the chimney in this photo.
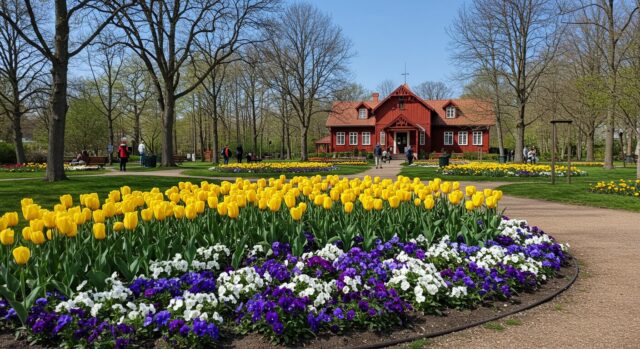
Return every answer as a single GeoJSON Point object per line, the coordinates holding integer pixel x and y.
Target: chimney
{"type": "Point", "coordinates": [375, 96]}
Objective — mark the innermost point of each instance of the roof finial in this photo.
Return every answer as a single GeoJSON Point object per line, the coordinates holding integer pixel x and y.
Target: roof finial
{"type": "Point", "coordinates": [405, 73]}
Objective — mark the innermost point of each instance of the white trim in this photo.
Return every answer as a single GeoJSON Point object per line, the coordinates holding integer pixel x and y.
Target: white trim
{"type": "Point", "coordinates": [423, 137]}
{"type": "Point", "coordinates": [448, 133]}
{"type": "Point", "coordinates": [362, 113]}
{"type": "Point", "coordinates": [474, 137]}
{"type": "Point", "coordinates": [466, 138]}
{"type": "Point", "coordinates": [338, 134]}
{"type": "Point", "coordinates": [353, 136]}
{"type": "Point", "coordinates": [451, 112]}
{"type": "Point", "coordinates": [368, 142]}
{"type": "Point", "coordinates": [383, 138]}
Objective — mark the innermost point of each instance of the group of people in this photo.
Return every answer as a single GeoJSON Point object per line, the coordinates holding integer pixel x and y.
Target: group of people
{"type": "Point", "coordinates": [530, 155]}
{"type": "Point", "coordinates": [381, 156]}
{"type": "Point", "coordinates": [226, 154]}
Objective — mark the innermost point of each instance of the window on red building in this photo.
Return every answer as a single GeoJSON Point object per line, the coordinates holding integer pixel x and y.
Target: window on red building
{"type": "Point", "coordinates": [366, 138]}
{"type": "Point", "coordinates": [339, 138]}
{"type": "Point", "coordinates": [353, 138]}
{"type": "Point", "coordinates": [383, 138]}
{"type": "Point", "coordinates": [448, 138]}
{"type": "Point", "coordinates": [422, 137]}
{"type": "Point", "coordinates": [362, 113]}
{"type": "Point", "coordinates": [477, 137]}
{"type": "Point", "coordinates": [463, 137]}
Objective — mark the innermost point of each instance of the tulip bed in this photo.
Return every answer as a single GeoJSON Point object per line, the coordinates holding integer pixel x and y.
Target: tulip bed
{"type": "Point", "coordinates": [276, 167]}
{"type": "Point", "coordinates": [36, 167]}
{"type": "Point", "coordinates": [435, 162]}
{"type": "Point", "coordinates": [288, 259]}
{"type": "Point", "coordinates": [494, 169]}
{"type": "Point", "coordinates": [621, 187]}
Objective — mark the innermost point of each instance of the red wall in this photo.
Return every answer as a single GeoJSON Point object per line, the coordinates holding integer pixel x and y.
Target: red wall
{"type": "Point", "coordinates": [349, 148]}
{"type": "Point", "coordinates": [438, 140]}
{"type": "Point", "coordinates": [414, 111]}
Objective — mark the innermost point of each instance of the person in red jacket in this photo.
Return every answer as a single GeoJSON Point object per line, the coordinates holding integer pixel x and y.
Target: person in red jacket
{"type": "Point", "coordinates": [123, 154]}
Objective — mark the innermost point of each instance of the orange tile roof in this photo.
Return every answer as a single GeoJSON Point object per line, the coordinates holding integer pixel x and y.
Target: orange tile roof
{"type": "Point", "coordinates": [346, 114]}
{"type": "Point", "coordinates": [324, 140]}
{"type": "Point", "coordinates": [471, 112]}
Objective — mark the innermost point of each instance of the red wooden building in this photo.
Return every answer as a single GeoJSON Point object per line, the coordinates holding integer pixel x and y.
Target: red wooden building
{"type": "Point", "coordinates": [403, 118]}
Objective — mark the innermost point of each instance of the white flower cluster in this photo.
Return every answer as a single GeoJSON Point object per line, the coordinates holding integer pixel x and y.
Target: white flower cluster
{"type": "Point", "coordinates": [243, 282]}
{"type": "Point", "coordinates": [209, 259]}
{"type": "Point", "coordinates": [319, 291]}
{"type": "Point", "coordinates": [442, 250]}
{"type": "Point", "coordinates": [415, 276]}
{"type": "Point", "coordinates": [196, 305]}
{"type": "Point", "coordinates": [329, 252]}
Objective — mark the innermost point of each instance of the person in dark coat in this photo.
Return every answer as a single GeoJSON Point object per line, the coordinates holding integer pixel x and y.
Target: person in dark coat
{"type": "Point", "coordinates": [377, 154]}
{"type": "Point", "coordinates": [409, 154]}
{"type": "Point", "coordinates": [239, 152]}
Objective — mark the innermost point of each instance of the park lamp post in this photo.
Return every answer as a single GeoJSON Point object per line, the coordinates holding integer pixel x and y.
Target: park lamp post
{"type": "Point", "coordinates": [553, 150]}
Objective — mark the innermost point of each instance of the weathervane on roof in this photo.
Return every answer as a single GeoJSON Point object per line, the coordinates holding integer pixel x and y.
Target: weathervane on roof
{"type": "Point", "coordinates": [405, 72]}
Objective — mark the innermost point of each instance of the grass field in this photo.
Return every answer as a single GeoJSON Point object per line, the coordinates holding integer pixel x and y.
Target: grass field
{"type": "Point", "coordinates": [205, 172]}
{"type": "Point", "coordinates": [41, 174]}
{"type": "Point", "coordinates": [47, 194]}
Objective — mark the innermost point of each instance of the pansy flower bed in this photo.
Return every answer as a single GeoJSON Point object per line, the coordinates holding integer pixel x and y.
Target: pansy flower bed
{"type": "Point", "coordinates": [276, 167]}
{"type": "Point", "coordinates": [285, 259]}
{"type": "Point", "coordinates": [493, 169]}
{"type": "Point", "coordinates": [621, 187]}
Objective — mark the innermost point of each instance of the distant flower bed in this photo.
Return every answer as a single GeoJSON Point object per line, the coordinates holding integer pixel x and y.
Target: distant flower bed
{"type": "Point", "coordinates": [35, 167]}
{"type": "Point", "coordinates": [621, 187]}
{"type": "Point", "coordinates": [494, 169]}
{"type": "Point", "coordinates": [339, 161]}
{"type": "Point", "coordinates": [435, 162]}
{"type": "Point", "coordinates": [276, 167]}
{"type": "Point", "coordinates": [588, 163]}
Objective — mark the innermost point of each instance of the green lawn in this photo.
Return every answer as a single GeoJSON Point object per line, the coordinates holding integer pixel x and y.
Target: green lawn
{"type": "Point", "coordinates": [47, 194]}
{"type": "Point", "coordinates": [41, 174]}
{"type": "Point", "coordinates": [342, 170]}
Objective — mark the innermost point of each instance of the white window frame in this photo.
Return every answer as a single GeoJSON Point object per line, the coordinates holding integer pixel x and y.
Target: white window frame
{"type": "Point", "coordinates": [475, 134]}
{"type": "Point", "coordinates": [353, 138]}
{"type": "Point", "coordinates": [366, 138]}
{"type": "Point", "coordinates": [383, 138]}
{"type": "Point", "coordinates": [340, 138]}
{"type": "Point", "coordinates": [423, 137]}
{"type": "Point", "coordinates": [362, 113]}
{"type": "Point", "coordinates": [463, 140]}
{"type": "Point", "coordinates": [451, 112]}
{"type": "Point", "coordinates": [448, 135]}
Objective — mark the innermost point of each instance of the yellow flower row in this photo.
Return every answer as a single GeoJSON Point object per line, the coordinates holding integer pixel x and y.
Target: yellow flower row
{"type": "Point", "coordinates": [511, 169]}
{"type": "Point", "coordinates": [276, 167]}
{"type": "Point", "coordinates": [621, 187]}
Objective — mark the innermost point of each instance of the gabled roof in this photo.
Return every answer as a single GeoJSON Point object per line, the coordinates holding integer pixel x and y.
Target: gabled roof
{"type": "Point", "coordinates": [346, 114]}
{"type": "Point", "coordinates": [401, 119]}
{"type": "Point", "coordinates": [403, 90]}
{"type": "Point", "coordinates": [364, 104]}
{"type": "Point", "coordinates": [473, 112]}
{"type": "Point", "coordinates": [324, 140]}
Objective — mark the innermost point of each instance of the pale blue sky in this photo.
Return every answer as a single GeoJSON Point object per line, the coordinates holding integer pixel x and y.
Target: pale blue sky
{"type": "Point", "coordinates": [388, 33]}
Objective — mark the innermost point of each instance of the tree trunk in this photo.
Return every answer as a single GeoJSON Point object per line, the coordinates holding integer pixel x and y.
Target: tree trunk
{"type": "Point", "coordinates": [111, 137]}
{"type": "Point", "coordinates": [303, 142]}
{"type": "Point", "coordinates": [136, 128]}
{"type": "Point", "coordinates": [55, 153]}
{"type": "Point", "coordinates": [168, 116]}
{"type": "Point", "coordinates": [216, 147]}
{"type": "Point", "coordinates": [590, 142]}
{"type": "Point", "coordinates": [17, 136]}
{"type": "Point", "coordinates": [579, 147]}
{"type": "Point", "coordinates": [638, 153]}
{"type": "Point", "coordinates": [288, 140]}
{"type": "Point", "coordinates": [282, 140]}
{"type": "Point", "coordinates": [608, 143]}
{"type": "Point", "coordinates": [499, 130]}
{"type": "Point", "coordinates": [520, 135]}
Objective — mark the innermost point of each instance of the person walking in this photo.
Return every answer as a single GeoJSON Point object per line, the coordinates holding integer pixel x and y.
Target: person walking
{"type": "Point", "coordinates": [377, 154]}
{"type": "Point", "coordinates": [409, 154]}
{"type": "Point", "coordinates": [239, 152]}
{"type": "Point", "coordinates": [226, 154]}
{"type": "Point", "coordinates": [141, 150]}
{"type": "Point", "coordinates": [525, 154]}
{"type": "Point", "coordinates": [123, 154]}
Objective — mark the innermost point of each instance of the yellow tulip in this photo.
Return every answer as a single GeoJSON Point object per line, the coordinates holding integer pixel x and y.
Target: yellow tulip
{"type": "Point", "coordinates": [190, 212]}
{"type": "Point", "coordinates": [455, 197]}
{"type": "Point", "coordinates": [212, 202]}
{"type": "Point", "coordinates": [31, 212]}
{"type": "Point", "coordinates": [469, 205]}
{"type": "Point", "coordinates": [470, 190]}
{"type": "Point", "coordinates": [7, 236]}
{"type": "Point", "coordinates": [378, 204]}
{"type": "Point", "coordinates": [49, 234]}
{"type": "Point", "coordinates": [233, 210]}
{"type": "Point", "coordinates": [497, 194]}
{"type": "Point", "coordinates": [199, 206]}
{"type": "Point", "coordinates": [21, 255]}
{"type": "Point", "coordinates": [348, 207]}
{"type": "Point", "coordinates": [3, 223]}
{"type": "Point", "coordinates": [446, 187]}
{"type": "Point", "coordinates": [109, 209]}
{"type": "Point", "coordinates": [429, 202]}
{"type": "Point", "coordinates": [394, 201]}
{"type": "Point", "coordinates": [491, 202]}
{"type": "Point", "coordinates": [99, 231]}
{"type": "Point", "coordinates": [66, 200]}
{"type": "Point", "coordinates": [36, 224]}
{"type": "Point", "coordinates": [290, 201]}
{"type": "Point", "coordinates": [26, 233]}
{"type": "Point", "coordinates": [296, 213]}
{"type": "Point", "coordinates": [26, 202]}
{"type": "Point", "coordinates": [478, 199]}
{"type": "Point", "coordinates": [37, 237]}
{"type": "Point", "coordinates": [130, 220]}
{"type": "Point", "coordinates": [274, 204]}
{"type": "Point", "coordinates": [114, 196]}
{"type": "Point", "coordinates": [118, 226]}
{"type": "Point", "coordinates": [11, 218]}
{"type": "Point", "coordinates": [78, 218]}
{"type": "Point", "coordinates": [222, 209]}
{"type": "Point", "coordinates": [417, 201]}
{"type": "Point", "coordinates": [456, 185]}
{"type": "Point", "coordinates": [178, 211]}
{"type": "Point", "coordinates": [263, 203]}
{"type": "Point", "coordinates": [327, 203]}
{"type": "Point", "coordinates": [125, 190]}
{"type": "Point", "coordinates": [98, 216]}
{"type": "Point", "coordinates": [487, 192]}
{"type": "Point", "coordinates": [146, 214]}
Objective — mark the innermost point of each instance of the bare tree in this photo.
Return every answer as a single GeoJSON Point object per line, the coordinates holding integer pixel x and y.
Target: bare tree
{"type": "Point", "coordinates": [308, 56]}
{"type": "Point", "coordinates": [107, 82]}
{"type": "Point", "coordinates": [512, 41]}
{"type": "Point", "coordinates": [433, 90]}
{"type": "Point", "coordinates": [166, 35]}
{"type": "Point", "coordinates": [614, 20]}
{"type": "Point", "coordinates": [138, 92]}
{"type": "Point", "coordinates": [86, 13]}
{"type": "Point", "coordinates": [21, 71]}
{"type": "Point", "coordinates": [386, 87]}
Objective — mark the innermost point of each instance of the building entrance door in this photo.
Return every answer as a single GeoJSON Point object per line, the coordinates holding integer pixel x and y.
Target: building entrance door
{"type": "Point", "coordinates": [401, 142]}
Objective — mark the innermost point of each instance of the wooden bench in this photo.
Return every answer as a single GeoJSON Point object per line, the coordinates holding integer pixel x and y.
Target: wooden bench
{"type": "Point", "coordinates": [178, 159]}
{"type": "Point", "coordinates": [254, 160]}
{"type": "Point", "coordinates": [99, 161]}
